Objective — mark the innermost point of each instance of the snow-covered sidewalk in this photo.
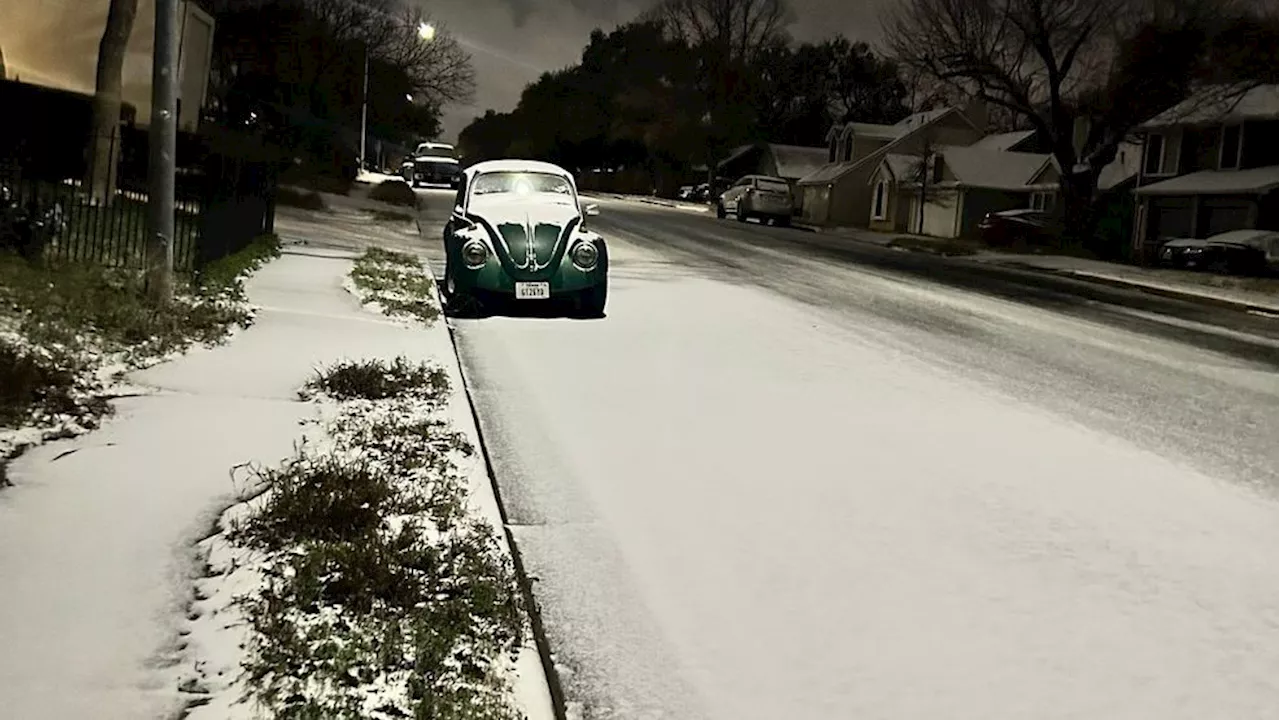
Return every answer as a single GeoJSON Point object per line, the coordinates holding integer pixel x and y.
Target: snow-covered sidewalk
{"type": "Point", "coordinates": [97, 534]}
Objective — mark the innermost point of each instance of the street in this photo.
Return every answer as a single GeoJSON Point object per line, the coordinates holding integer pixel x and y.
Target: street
{"type": "Point", "coordinates": [790, 475]}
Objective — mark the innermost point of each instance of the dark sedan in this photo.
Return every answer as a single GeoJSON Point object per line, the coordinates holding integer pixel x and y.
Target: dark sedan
{"type": "Point", "coordinates": [1020, 227]}
{"type": "Point", "coordinates": [1238, 252]}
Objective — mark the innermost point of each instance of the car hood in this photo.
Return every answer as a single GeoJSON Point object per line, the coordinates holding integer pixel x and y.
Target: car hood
{"type": "Point", "coordinates": [529, 235]}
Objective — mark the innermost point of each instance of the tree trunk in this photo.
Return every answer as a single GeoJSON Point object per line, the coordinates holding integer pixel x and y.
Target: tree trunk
{"type": "Point", "coordinates": [104, 144]}
{"type": "Point", "coordinates": [1080, 216]}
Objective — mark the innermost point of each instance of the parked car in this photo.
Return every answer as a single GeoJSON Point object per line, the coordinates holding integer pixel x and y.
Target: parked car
{"type": "Point", "coordinates": [518, 233]}
{"type": "Point", "coordinates": [759, 196]}
{"type": "Point", "coordinates": [1236, 252]}
{"type": "Point", "coordinates": [435, 163]}
{"type": "Point", "coordinates": [686, 192]}
{"type": "Point", "coordinates": [1023, 226]}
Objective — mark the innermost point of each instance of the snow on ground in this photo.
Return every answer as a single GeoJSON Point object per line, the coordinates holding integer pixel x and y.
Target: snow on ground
{"type": "Point", "coordinates": [97, 535]}
{"type": "Point", "coordinates": [741, 506]}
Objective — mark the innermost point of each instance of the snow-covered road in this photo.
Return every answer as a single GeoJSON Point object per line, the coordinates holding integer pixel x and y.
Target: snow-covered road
{"type": "Point", "coordinates": [775, 484]}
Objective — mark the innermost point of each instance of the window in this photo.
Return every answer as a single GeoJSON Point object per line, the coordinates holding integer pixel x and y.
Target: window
{"type": "Point", "coordinates": [1229, 152]}
{"type": "Point", "coordinates": [938, 166]}
{"type": "Point", "coordinates": [847, 141]}
{"type": "Point", "coordinates": [1154, 162]}
{"type": "Point", "coordinates": [505, 182]}
{"type": "Point", "coordinates": [878, 211]}
{"type": "Point", "coordinates": [832, 149]}
{"type": "Point", "coordinates": [1042, 201]}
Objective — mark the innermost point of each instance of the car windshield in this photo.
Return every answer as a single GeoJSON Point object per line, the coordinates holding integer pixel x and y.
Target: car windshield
{"type": "Point", "coordinates": [521, 183]}
{"type": "Point", "coordinates": [437, 151]}
{"type": "Point", "coordinates": [772, 185]}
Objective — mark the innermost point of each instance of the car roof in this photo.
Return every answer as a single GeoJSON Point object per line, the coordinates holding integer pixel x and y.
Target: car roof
{"type": "Point", "coordinates": [516, 166]}
{"type": "Point", "coordinates": [431, 144]}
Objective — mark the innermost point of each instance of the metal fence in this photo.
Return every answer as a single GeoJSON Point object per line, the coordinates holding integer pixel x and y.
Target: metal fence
{"type": "Point", "coordinates": [68, 195]}
{"type": "Point", "coordinates": [96, 216]}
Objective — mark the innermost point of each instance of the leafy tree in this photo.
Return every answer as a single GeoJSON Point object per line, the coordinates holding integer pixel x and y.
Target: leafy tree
{"type": "Point", "coordinates": [295, 70]}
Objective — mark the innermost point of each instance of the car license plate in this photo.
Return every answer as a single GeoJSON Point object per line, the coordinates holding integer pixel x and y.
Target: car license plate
{"type": "Point", "coordinates": [533, 290]}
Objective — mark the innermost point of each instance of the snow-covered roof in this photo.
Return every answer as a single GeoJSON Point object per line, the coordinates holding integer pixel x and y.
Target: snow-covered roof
{"type": "Point", "coordinates": [1217, 182]}
{"type": "Point", "coordinates": [900, 166]}
{"type": "Point", "coordinates": [1221, 103]}
{"type": "Point", "coordinates": [903, 129]}
{"type": "Point", "coordinates": [1004, 141]}
{"type": "Point", "coordinates": [913, 121]}
{"type": "Point", "coordinates": [996, 169]}
{"type": "Point", "coordinates": [795, 161]}
{"type": "Point", "coordinates": [516, 166]}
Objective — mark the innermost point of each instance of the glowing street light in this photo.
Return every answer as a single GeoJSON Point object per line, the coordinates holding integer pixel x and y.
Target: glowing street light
{"type": "Point", "coordinates": [426, 33]}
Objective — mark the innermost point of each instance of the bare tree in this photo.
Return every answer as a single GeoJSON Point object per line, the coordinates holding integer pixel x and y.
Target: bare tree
{"type": "Point", "coordinates": [924, 172]}
{"type": "Point", "coordinates": [103, 152]}
{"type": "Point", "coordinates": [1114, 62]}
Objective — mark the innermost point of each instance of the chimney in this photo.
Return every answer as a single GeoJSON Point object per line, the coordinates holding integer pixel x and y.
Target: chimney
{"type": "Point", "coordinates": [976, 111]}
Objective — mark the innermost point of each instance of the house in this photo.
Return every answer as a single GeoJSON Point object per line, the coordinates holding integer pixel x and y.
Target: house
{"type": "Point", "coordinates": [840, 192]}
{"type": "Point", "coordinates": [790, 162]}
{"type": "Point", "coordinates": [960, 185]}
{"type": "Point", "coordinates": [1209, 165]}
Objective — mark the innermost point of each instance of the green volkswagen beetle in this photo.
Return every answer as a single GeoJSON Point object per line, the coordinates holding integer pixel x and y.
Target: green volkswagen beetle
{"type": "Point", "coordinates": [518, 233]}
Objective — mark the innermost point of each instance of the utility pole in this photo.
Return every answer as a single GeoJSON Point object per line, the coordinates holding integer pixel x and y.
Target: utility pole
{"type": "Point", "coordinates": [364, 107]}
{"type": "Point", "coordinates": [163, 136]}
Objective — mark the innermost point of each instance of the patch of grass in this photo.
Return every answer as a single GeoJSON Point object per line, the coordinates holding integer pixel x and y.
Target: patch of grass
{"type": "Point", "coordinates": [397, 282]}
{"type": "Point", "coordinates": [381, 598]}
{"type": "Point", "coordinates": [305, 199]}
{"type": "Point", "coordinates": [394, 192]}
{"type": "Point", "coordinates": [64, 323]}
{"type": "Point", "coordinates": [392, 216]}
{"type": "Point", "coordinates": [53, 383]}
{"type": "Point", "coordinates": [935, 246]}
{"type": "Point", "coordinates": [378, 380]}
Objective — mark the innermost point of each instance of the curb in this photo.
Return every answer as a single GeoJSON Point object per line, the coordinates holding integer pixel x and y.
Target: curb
{"type": "Point", "coordinates": [1167, 292]}
{"type": "Point", "coordinates": [532, 609]}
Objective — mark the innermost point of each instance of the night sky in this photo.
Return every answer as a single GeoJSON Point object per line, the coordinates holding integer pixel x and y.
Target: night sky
{"type": "Point", "coordinates": [55, 41]}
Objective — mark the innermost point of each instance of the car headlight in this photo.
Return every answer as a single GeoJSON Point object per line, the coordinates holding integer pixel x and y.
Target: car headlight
{"type": "Point", "coordinates": [585, 255]}
{"type": "Point", "coordinates": [475, 254]}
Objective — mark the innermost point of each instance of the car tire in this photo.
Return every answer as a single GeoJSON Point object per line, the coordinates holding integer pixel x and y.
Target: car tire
{"type": "Point", "coordinates": [591, 301]}
{"type": "Point", "coordinates": [720, 213]}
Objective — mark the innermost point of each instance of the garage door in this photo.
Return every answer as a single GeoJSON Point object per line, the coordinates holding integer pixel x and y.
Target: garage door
{"type": "Point", "coordinates": [1169, 218]}
{"type": "Point", "coordinates": [1219, 215]}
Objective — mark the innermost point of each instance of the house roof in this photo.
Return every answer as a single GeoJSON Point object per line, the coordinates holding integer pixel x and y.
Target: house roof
{"type": "Point", "coordinates": [794, 161]}
{"type": "Point", "coordinates": [1220, 103]}
{"type": "Point", "coordinates": [996, 169]}
{"type": "Point", "coordinates": [1216, 182]}
{"type": "Point", "coordinates": [1004, 141]}
{"type": "Point", "coordinates": [906, 127]}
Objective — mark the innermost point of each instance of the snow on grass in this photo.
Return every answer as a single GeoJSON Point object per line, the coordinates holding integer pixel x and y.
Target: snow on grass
{"type": "Point", "coordinates": [394, 284]}
{"type": "Point", "coordinates": [355, 582]}
{"type": "Point", "coordinates": [69, 333]}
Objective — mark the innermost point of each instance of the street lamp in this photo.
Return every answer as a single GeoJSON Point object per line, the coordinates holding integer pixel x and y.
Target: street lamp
{"type": "Point", "coordinates": [427, 33]}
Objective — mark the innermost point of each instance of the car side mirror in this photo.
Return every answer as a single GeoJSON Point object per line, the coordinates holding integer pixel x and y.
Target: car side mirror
{"type": "Point", "coordinates": [459, 217]}
{"type": "Point", "coordinates": [591, 210]}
